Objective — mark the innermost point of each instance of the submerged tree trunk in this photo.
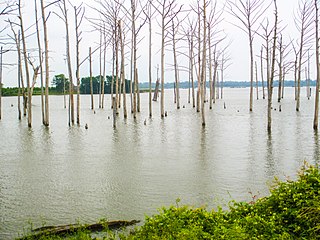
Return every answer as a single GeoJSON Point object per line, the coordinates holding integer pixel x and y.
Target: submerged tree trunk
{"type": "Point", "coordinates": [176, 73]}
{"type": "Point", "coordinates": [150, 72]}
{"type": "Point", "coordinates": [46, 59]}
{"type": "Point", "coordinates": [257, 87]}
{"type": "Point", "coordinates": [122, 71]}
{"type": "Point", "coordinates": [64, 230]}
{"type": "Point", "coordinates": [270, 89]}
{"type": "Point", "coordinates": [29, 106]}
{"type": "Point", "coordinates": [104, 65]}
{"type": "Point", "coordinates": [77, 11]}
{"type": "Point", "coordinates": [210, 67]}
{"type": "Point", "coordinates": [316, 109]}
{"type": "Point", "coordinates": [91, 85]}
{"type": "Point", "coordinates": [191, 72]}
{"type": "Point", "coordinates": [262, 80]}
{"type": "Point", "coordinates": [19, 76]}
{"type": "Point", "coordinates": [71, 101]}
{"type": "Point", "coordinates": [162, 66]}
{"type": "Point", "coordinates": [204, 59]}
{"type": "Point", "coordinates": [40, 62]}
{"type": "Point", "coordinates": [251, 69]}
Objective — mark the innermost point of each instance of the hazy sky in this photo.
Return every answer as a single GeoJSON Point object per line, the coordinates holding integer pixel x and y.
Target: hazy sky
{"type": "Point", "coordinates": [238, 48]}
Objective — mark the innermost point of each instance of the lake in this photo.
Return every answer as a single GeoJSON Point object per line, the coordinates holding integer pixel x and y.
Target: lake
{"type": "Point", "coordinates": [61, 174]}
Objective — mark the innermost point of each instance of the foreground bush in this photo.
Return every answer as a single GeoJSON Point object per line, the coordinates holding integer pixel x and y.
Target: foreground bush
{"type": "Point", "coordinates": [292, 211]}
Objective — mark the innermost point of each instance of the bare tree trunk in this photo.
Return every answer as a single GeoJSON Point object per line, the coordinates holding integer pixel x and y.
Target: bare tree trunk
{"type": "Point", "coordinates": [19, 76]}
{"type": "Point", "coordinates": [91, 85]}
{"type": "Point", "coordinates": [270, 89]}
{"type": "Point", "coordinates": [199, 60]}
{"type": "Point", "coordinates": [64, 93]}
{"type": "Point", "coordinates": [77, 12]}
{"type": "Point", "coordinates": [204, 59]}
{"type": "Point", "coordinates": [283, 81]}
{"type": "Point", "coordinates": [251, 68]}
{"type": "Point", "coordinates": [222, 69]}
{"type": "Point", "coordinates": [131, 78]}
{"type": "Point", "coordinates": [21, 88]}
{"type": "Point", "coordinates": [305, 21]}
{"type": "Point", "coordinates": [65, 19]}
{"type": "Point", "coordinates": [316, 109]}
{"type": "Point", "coordinates": [112, 77]}
{"type": "Point", "coordinates": [29, 106]}
{"type": "Point", "coordinates": [138, 93]}
{"type": "Point", "coordinates": [162, 65]}
{"type": "Point", "coordinates": [210, 66]}
{"type": "Point", "coordinates": [215, 73]}
{"type": "Point", "coordinates": [217, 85]}
{"type": "Point", "coordinates": [262, 80]}
{"type": "Point", "coordinates": [46, 58]}
{"type": "Point", "coordinates": [100, 67]}
{"type": "Point", "coordinates": [295, 78]}
{"type": "Point", "coordinates": [280, 68]}
{"type": "Point", "coordinates": [134, 49]}
{"type": "Point", "coordinates": [40, 62]}
{"type": "Point", "coordinates": [176, 73]}
{"type": "Point", "coordinates": [114, 112]}
{"type": "Point", "coordinates": [104, 64]}
{"type": "Point", "coordinates": [122, 72]}
{"type": "Point", "coordinates": [191, 72]}
{"type": "Point", "coordinates": [150, 71]}
{"type": "Point", "coordinates": [117, 69]}
{"type": "Point", "coordinates": [257, 85]}
{"type": "Point", "coordinates": [308, 78]}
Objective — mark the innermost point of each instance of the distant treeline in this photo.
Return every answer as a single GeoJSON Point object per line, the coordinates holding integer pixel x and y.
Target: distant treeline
{"type": "Point", "coordinates": [232, 84]}
{"type": "Point", "coordinates": [60, 81]}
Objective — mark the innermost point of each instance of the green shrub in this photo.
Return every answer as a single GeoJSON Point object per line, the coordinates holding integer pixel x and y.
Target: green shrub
{"type": "Point", "coordinates": [292, 211]}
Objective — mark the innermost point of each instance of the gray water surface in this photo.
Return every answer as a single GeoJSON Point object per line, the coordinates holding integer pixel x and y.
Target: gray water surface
{"type": "Point", "coordinates": [60, 175]}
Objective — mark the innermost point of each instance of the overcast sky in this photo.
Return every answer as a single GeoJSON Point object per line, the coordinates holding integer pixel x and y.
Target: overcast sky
{"type": "Point", "coordinates": [238, 48]}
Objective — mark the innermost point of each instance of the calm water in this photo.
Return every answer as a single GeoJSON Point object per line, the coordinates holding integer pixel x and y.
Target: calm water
{"type": "Point", "coordinates": [60, 175]}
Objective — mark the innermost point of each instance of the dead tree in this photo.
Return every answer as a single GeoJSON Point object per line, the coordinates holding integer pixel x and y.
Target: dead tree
{"type": "Point", "coordinates": [46, 60]}
{"type": "Point", "coordinates": [303, 21]}
{"type": "Point", "coordinates": [91, 85]}
{"type": "Point", "coordinates": [248, 13]}
{"type": "Point", "coordinates": [173, 35]}
{"type": "Point", "coordinates": [40, 60]}
{"type": "Point", "coordinates": [104, 64]}
{"type": "Point", "coordinates": [167, 10]}
{"type": "Point", "coordinates": [149, 13]}
{"type": "Point", "coordinates": [316, 109]}
{"type": "Point", "coordinates": [261, 67]}
{"type": "Point", "coordinates": [24, 51]}
{"type": "Point", "coordinates": [123, 80]}
{"type": "Point", "coordinates": [21, 86]}
{"type": "Point", "coordinates": [64, 18]}
{"type": "Point", "coordinates": [224, 64]}
{"type": "Point", "coordinates": [189, 33]}
{"type": "Point", "coordinates": [204, 60]}
{"type": "Point", "coordinates": [257, 85]}
{"type": "Point", "coordinates": [214, 18]}
{"type": "Point", "coordinates": [79, 14]}
{"type": "Point", "coordinates": [284, 51]}
{"type": "Point", "coordinates": [308, 77]}
{"type": "Point", "coordinates": [8, 7]}
{"type": "Point", "coordinates": [273, 60]}
{"type": "Point", "coordinates": [266, 36]}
